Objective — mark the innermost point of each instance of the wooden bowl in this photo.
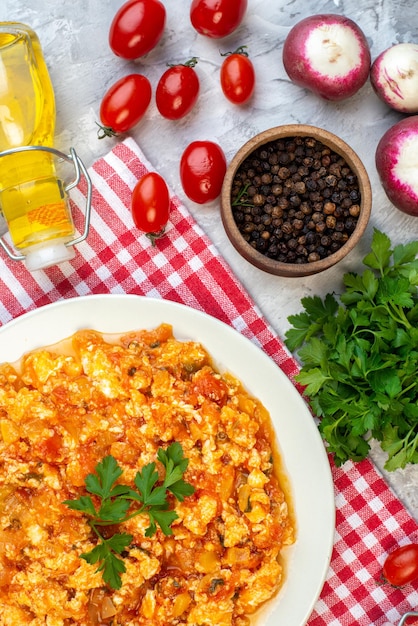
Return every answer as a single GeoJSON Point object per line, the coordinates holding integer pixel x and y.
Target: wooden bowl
{"type": "Point", "coordinates": [300, 268]}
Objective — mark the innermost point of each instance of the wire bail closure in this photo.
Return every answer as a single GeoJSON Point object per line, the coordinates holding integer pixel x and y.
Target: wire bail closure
{"type": "Point", "coordinates": [80, 170]}
{"type": "Point", "coordinates": [407, 616]}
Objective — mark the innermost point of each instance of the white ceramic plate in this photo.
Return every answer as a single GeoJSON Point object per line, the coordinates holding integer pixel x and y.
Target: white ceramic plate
{"type": "Point", "coordinates": [300, 445]}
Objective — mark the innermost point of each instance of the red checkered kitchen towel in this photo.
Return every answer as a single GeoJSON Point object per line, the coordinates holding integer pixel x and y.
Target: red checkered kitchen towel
{"type": "Point", "coordinates": [185, 267]}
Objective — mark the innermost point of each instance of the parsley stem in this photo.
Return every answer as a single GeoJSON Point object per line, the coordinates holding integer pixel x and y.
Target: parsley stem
{"type": "Point", "coordinates": [400, 315]}
{"type": "Point", "coordinates": [99, 522]}
{"type": "Point", "coordinates": [93, 525]}
{"type": "Point", "coordinates": [242, 192]}
{"type": "Point", "coordinates": [406, 390]}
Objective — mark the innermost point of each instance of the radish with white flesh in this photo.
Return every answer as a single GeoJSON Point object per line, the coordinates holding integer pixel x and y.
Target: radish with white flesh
{"type": "Point", "coordinates": [397, 164]}
{"type": "Point", "coordinates": [327, 54]}
{"type": "Point", "coordinates": [394, 77]}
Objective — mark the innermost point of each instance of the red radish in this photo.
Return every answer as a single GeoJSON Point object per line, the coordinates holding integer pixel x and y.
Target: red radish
{"type": "Point", "coordinates": [397, 164]}
{"type": "Point", "coordinates": [327, 54]}
{"type": "Point", "coordinates": [394, 77]}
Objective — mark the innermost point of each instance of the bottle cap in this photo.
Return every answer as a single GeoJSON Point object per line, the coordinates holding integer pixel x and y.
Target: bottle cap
{"type": "Point", "coordinates": [41, 256]}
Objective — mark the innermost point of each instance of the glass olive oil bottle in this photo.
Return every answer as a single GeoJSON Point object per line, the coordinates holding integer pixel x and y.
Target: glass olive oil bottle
{"type": "Point", "coordinates": [32, 196]}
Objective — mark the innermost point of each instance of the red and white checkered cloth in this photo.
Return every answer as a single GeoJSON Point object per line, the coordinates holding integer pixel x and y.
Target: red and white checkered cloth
{"type": "Point", "coordinates": [185, 267]}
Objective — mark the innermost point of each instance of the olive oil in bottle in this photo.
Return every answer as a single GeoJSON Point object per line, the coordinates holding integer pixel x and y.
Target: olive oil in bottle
{"type": "Point", "coordinates": [32, 195]}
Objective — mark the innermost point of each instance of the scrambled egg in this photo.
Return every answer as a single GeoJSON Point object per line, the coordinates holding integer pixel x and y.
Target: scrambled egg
{"type": "Point", "coordinates": [61, 413]}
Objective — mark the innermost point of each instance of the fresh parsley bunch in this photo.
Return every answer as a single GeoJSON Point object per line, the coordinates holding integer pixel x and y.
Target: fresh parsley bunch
{"type": "Point", "coordinates": [117, 503]}
{"type": "Point", "coordinates": [359, 357]}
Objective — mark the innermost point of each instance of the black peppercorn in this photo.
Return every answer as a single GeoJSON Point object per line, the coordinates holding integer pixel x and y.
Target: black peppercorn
{"type": "Point", "coordinates": [295, 200]}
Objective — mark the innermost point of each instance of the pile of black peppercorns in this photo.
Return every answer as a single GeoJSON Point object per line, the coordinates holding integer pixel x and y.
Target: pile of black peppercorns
{"type": "Point", "coordinates": [295, 200]}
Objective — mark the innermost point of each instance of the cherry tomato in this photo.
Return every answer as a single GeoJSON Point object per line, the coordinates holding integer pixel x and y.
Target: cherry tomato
{"type": "Point", "coordinates": [137, 28]}
{"type": "Point", "coordinates": [401, 565]}
{"type": "Point", "coordinates": [237, 76]}
{"type": "Point", "coordinates": [177, 90]}
{"type": "Point", "coordinates": [124, 104]}
{"type": "Point", "coordinates": [202, 171]}
{"type": "Point", "coordinates": [217, 18]}
{"type": "Point", "coordinates": [150, 205]}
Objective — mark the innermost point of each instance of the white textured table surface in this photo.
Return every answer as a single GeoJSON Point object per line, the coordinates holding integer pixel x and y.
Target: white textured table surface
{"type": "Point", "coordinates": [74, 37]}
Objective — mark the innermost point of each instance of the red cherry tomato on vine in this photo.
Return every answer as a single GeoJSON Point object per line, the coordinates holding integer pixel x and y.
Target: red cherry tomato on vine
{"type": "Point", "coordinates": [401, 565]}
{"type": "Point", "coordinates": [237, 77]}
{"type": "Point", "coordinates": [202, 171]}
{"type": "Point", "coordinates": [177, 90]}
{"type": "Point", "coordinates": [137, 28]}
{"type": "Point", "coordinates": [124, 104]}
{"type": "Point", "coordinates": [150, 205]}
{"type": "Point", "coordinates": [217, 18]}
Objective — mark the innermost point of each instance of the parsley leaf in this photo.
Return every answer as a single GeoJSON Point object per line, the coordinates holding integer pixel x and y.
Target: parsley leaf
{"type": "Point", "coordinates": [107, 472]}
{"type": "Point", "coordinates": [145, 482]}
{"type": "Point", "coordinates": [164, 519]}
{"type": "Point", "coordinates": [105, 554]}
{"type": "Point", "coordinates": [359, 356]}
{"type": "Point", "coordinates": [117, 503]}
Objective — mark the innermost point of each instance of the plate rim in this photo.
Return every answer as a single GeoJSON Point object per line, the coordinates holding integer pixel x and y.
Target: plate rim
{"type": "Point", "coordinates": [327, 498]}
